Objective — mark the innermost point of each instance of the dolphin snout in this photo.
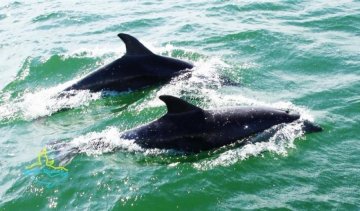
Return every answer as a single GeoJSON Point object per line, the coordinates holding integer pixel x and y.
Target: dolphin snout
{"type": "Point", "coordinates": [310, 127]}
{"type": "Point", "coordinates": [295, 116]}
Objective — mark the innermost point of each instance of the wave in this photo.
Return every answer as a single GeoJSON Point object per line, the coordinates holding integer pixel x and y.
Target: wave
{"type": "Point", "coordinates": [97, 143]}
{"type": "Point", "coordinates": [34, 92]}
{"type": "Point", "coordinates": [44, 102]}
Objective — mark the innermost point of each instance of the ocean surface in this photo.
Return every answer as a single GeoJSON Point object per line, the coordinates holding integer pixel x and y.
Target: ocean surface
{"type": "Point", "coordinates": [297, 55]}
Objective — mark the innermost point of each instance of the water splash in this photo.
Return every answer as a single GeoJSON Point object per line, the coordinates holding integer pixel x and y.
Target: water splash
{"type": "Point", "coordinates": [277, 143]}
{"type": "Point", "coordinates": [98, 143]}
{"type": "Point", "coordinates": [203, 81]}
{"type": "Point", "coordinates": [43, 102]}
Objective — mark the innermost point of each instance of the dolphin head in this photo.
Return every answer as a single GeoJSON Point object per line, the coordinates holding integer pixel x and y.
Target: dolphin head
{"type": "Point", "coordinates": [262, 117]}
{"type": "Point", "coordinates": [310, 127]}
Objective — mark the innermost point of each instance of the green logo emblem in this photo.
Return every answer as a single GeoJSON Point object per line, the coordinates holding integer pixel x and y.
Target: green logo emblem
{"type": "Point", "coordinates": [45, 172]}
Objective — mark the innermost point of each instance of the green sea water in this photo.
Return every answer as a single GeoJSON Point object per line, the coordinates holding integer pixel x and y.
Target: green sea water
{"type": "Point", "coordinates": [298, 55]}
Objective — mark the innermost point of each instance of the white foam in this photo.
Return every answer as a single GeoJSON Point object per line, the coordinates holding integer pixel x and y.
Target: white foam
{"type": "Point", "coordinates": [278, 143]}
{"type": "Point", "coordinates": [203, 80]}
{"type": "Point", "coordinates": [44, 102]}
{"type": "Point", "coordinates": [97, 143]}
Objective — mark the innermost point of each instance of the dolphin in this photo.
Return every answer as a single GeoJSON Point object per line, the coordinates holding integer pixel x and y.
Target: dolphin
{"type": "Point", "coordinates": [188, 128]}
{"type": "Point", "coordinates": [138, 68]}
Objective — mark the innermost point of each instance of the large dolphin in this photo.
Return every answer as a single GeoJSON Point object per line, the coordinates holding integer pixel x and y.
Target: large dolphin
{"type": "Point", "coordinates": [138, 68]}
{"type": "Point", "coordinates": [188, 128]}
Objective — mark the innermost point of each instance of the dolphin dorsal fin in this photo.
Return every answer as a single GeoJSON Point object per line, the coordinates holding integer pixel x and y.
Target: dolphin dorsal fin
{"type": "Point", "coordinates": [176, 105]}
{"type": "Point", "coordinates": [134, 46]}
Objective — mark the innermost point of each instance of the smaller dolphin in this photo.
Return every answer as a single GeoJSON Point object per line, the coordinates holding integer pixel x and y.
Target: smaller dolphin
{"type": "Point", "coordinates": [186, 127]}
{"type": "Point", "coordinates": [138, 68]}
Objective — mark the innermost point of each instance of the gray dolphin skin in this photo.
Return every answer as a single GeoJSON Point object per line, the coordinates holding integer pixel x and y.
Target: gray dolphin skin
{"type": "Point", "coordinates": [186, 127]}
{"type": "Point", "coordinates": [138, 68]}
